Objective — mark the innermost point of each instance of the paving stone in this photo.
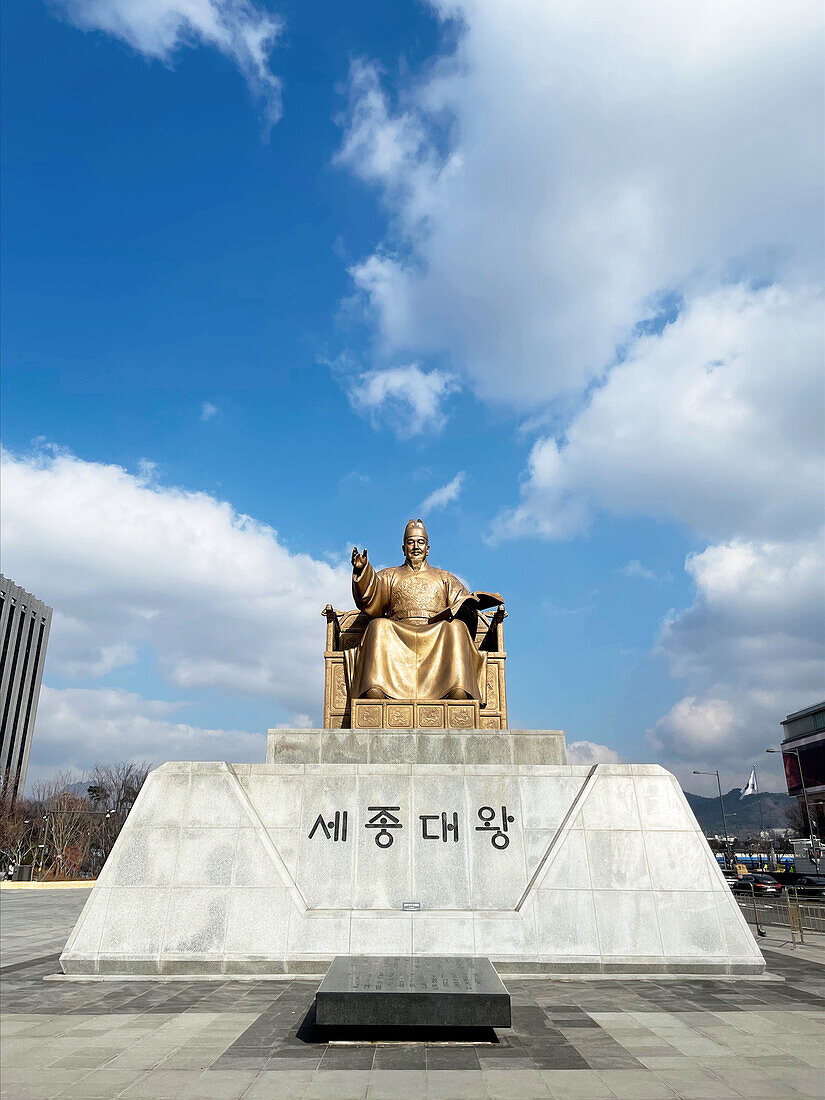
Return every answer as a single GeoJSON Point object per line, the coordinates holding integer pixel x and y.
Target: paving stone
{"type": "Point", "coordinates": [752, 1083]}
{"type": "Point", "coordinates": [181, 1059]}
{"type": "Point", "coordinates": [339, 1085]}
{"type": "Point", "coordinates": [347, 1058]}
{"type": "Point", "coordinates": [84, 1058]}
{"type": "Point", "coordinates": [513, 1084]}
{"type": "Point", "coordinates": [695, 1084]}
{"type": "Point", "coordinates": [452, 1058]}
{"type": "Point", "coordinates": [656, 1062]}
{"type": "Point", "coordinates": [220, 1040]}
{"type": "Point", "coordinates": [635, 1084]}
{"type": "Point", "coordinates": [103, 1083]}
{"type": "Point", "coordinates": [806, 1081]}
{"type": "Point", "coordinates": [395, 1084]}
{"type": "Point", "coordinates": [456, 1085]}
{"type": "Point", "coordinates": [279, 1065]}
{"type": "Point", "coordinates": [286, 1085]}
{"type": "Point", "coordinates": [144, 1058]}
{"type": "Point", "coordinates": [814, 1058]}
{"type": "Point", "coordinates": [575, 1083]}
{"type": "Point", "coordinates": [398, 1057]}
{"type": "Point", "coordinates": [184, 1085]}
{"type": "Point", "coordinates": [18, 1082]}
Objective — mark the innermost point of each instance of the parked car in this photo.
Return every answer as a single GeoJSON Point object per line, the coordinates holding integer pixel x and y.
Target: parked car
{"type": "Point", "coordinates": [763, 885]}
{"type": "Point", "coordinates": [730, 877]}
{"type": "Point", "coordinates": [807, 886]}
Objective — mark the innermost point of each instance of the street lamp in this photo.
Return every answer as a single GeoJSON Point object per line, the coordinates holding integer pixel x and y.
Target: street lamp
{"type": "Point", "coordinates": [811, 823]}
{"type": "Point", "coordinates": [42, 847]}
{"type": "Point", "coordinates": [722, 807]}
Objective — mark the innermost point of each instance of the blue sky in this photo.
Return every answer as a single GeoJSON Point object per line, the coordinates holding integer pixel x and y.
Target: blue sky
{"type": "Point", "coordinates": [573, 262]}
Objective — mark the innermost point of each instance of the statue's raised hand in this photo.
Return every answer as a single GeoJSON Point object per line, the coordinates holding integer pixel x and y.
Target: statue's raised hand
{"type": "Point", "coordinates": [359, 561]}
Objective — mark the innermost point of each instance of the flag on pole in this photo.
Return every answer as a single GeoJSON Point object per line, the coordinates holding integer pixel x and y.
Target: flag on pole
{"type": "Point", "coordinates": [751, 787]}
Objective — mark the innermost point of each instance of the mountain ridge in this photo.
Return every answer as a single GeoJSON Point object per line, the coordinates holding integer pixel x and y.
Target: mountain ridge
{"type": "Point", "coordinates": [742, 813]}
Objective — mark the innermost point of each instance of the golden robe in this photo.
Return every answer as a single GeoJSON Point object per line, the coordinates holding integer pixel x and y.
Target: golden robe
{"type": "Point", "coordinates": [401, 652]}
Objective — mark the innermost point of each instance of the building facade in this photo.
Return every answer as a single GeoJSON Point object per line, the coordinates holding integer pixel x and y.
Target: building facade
{"type": "Point", "coordinates": [24, 634]}
{"type": "Point", "coordinates": [804, 734]}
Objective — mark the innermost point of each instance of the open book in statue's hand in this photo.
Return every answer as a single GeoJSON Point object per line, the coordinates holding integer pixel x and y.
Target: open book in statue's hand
{"type": "Point", "coordinates": [468, 607]}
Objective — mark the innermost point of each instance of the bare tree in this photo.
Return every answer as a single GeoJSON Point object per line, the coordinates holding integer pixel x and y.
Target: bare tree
{"type": "Point", "coordinates": [68, 826]}
{"type": "Point", "coordinates": [797, 819]}
{"type": "Point", "coordinates": [112, 790]}
{"type": "Point", "coordinates": [114, 787]}
{"type": "Point", "coordinates": [18, 828]}
{"type": "Point", "coordinates": [67, 832]}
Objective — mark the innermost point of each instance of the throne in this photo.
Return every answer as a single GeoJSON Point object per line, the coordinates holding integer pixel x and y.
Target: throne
{"type": "Point", "coordinates": [344, 631]}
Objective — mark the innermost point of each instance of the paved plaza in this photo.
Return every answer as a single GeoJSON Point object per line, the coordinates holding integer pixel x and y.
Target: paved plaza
{"type": "Point", "coordinates": [222, 1040]}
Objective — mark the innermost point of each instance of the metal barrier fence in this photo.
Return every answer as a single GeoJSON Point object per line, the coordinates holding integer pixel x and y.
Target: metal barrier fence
{"type": "Point", "coordinates": [788, 910]}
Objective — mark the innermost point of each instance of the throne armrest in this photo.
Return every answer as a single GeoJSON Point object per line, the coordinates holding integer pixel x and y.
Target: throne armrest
{"type": "Point", "coordinates": [344, 628]}
{"type": "Point", "coordinates": [489, 633]}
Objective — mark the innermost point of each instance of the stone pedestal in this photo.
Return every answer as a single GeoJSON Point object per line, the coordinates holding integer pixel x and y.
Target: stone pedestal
{"type": "Point", "coordinates": [412, 843]}
{"type": "Point", "coordinates": [419, 746]}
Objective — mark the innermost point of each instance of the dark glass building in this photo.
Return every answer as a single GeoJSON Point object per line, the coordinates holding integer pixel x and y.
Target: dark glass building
{"type": "Point", "coordinates": [805, 734]}
{"type": "Point", "coordinates": [24, 633]}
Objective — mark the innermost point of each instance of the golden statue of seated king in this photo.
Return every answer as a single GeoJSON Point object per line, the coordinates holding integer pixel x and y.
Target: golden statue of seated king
{"type": "Point", "coordinates": [419, 643]}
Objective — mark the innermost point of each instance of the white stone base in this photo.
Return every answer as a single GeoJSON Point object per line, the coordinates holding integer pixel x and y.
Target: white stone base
{"type": "Point", "coordinates": [605, 871]}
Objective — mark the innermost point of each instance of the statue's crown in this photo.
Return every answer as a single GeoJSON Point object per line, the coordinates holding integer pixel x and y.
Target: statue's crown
{"type": "Point", "coordinates": [416, 525]}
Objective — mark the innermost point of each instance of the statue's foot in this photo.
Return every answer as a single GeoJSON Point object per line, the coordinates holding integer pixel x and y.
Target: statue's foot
{"type": "Point", "coordinates": [458, 693]}
{"type": "Point", "coordinates": [374, 693]}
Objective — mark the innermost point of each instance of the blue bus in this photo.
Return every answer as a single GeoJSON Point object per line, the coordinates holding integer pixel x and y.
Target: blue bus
{"type": "Point", "coordinates": [759, 862]}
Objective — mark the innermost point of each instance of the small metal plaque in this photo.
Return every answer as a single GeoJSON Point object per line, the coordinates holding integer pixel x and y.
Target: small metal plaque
{"type": "Point", "coordinates": [411, 906]}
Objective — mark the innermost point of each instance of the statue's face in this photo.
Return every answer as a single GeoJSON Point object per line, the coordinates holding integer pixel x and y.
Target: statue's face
{"type": "Point", "coordinates": [416, 548]}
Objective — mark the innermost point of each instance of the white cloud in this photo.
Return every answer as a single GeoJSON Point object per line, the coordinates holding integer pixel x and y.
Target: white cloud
{"type": "Point", "coordinates": [775, 588]}
{"type": "Point", "coordinates": [296, 722]}
{"type": "Point", "coordinates": [79, 727]}
{"type": "Point", "coordinates": [589, 752]}
{"type": "Point", "coordinates": [569, 175]}
{"type": "Point", "coordinates": [83, 657]}
{"type": "Point", "coordinates": [408, 399]}
{"type": "Point", "coordinates": [392, 151]}
{"type": "Point", "coordinates": [698, 725]}
{"type": "Point", "coordinates": [715, 422]}
{"type": "Point", "coordinates": [751, 649]}
{"type": "Point", "coordinates": [209, 411]}
{"type": "Point", "coordinates": [636, 569]}
{"type": "Point", "coordinates": [551, 187]}
{"type": "Point", "coordinates": [213, 595]}
{"type": "Point", "coordinates": [244, 32]}
{"type": "Point", "coordinates": [570, 163]}
{"type": "Point", "coordinates": [147, 469]}
{"type": "Point", "coordinates": [447, 494]}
